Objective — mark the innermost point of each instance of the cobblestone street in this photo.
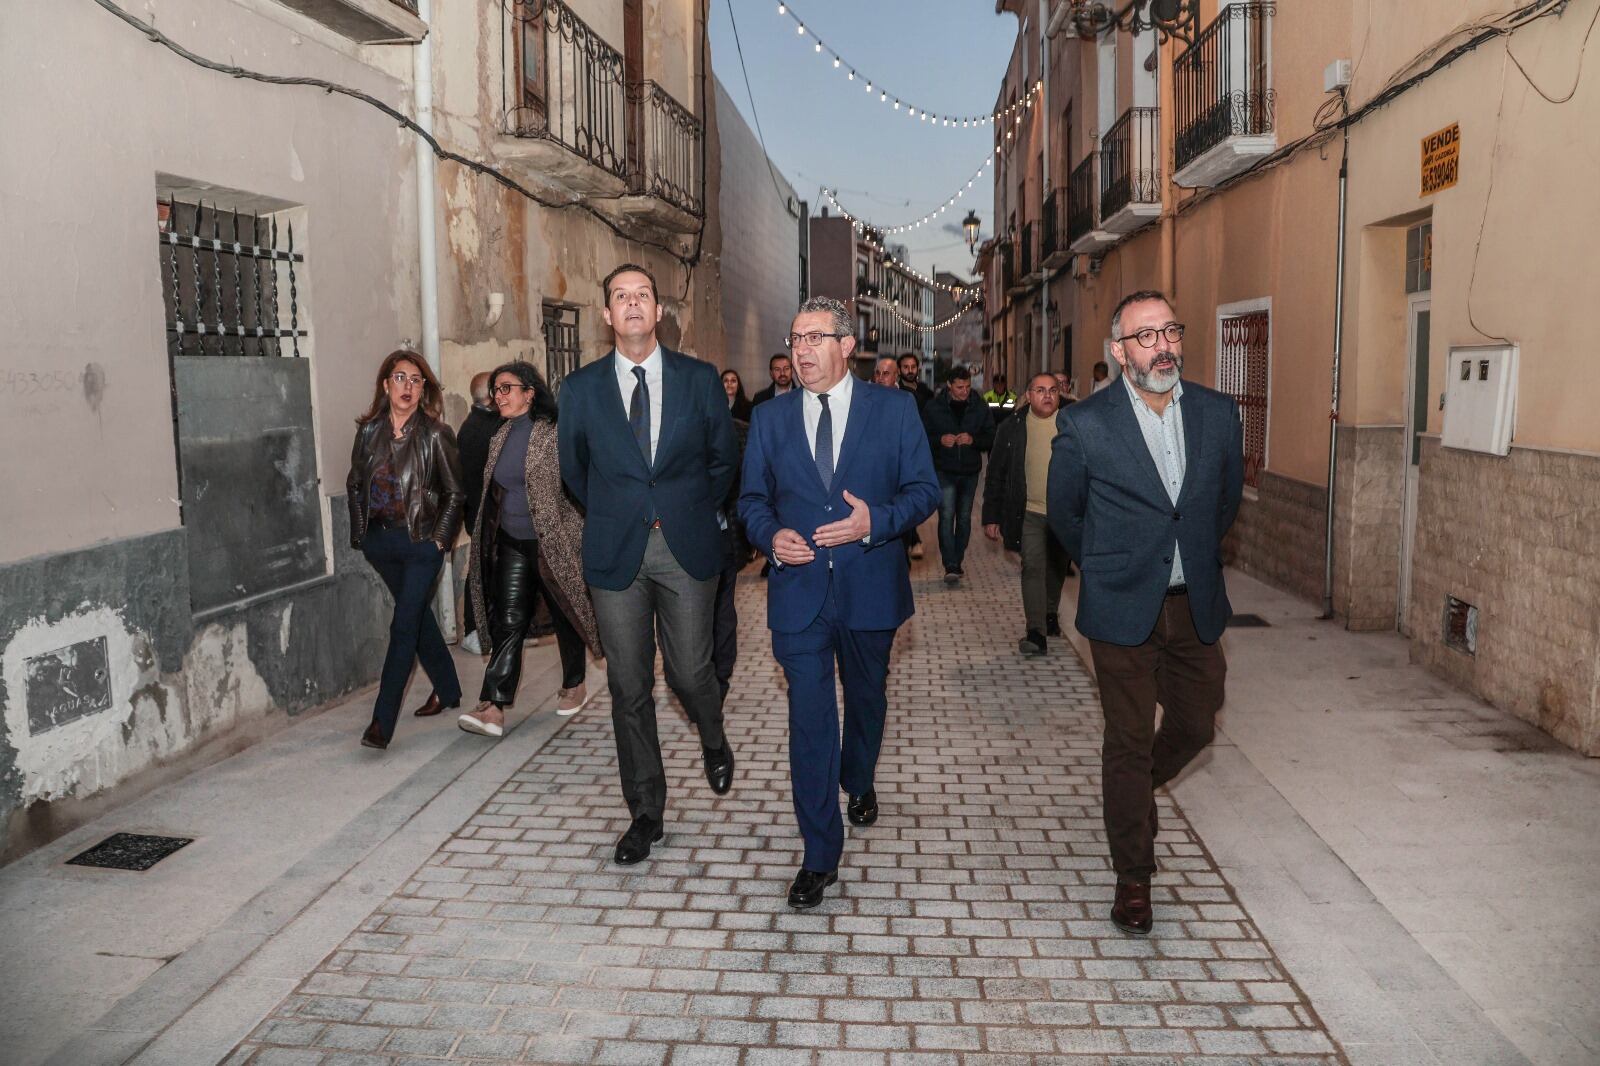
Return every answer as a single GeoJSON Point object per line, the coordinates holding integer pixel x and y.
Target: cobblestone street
{"type": "Point", "coordinates": [969, 924]}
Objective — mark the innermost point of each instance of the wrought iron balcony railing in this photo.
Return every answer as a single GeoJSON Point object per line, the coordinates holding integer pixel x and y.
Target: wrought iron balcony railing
{"type": "Point", "coordinates": [1130, 161]}
{"type": "Point", "coordinates": [1003, 256]}
{"type": "Point", "coordinates": [566, 84]}
{"type": "Point", "coordinates": [409, 5]}
{"type": "Point", "coordinates": [670, 168]}
{"type": "Point", "coordinates": [1082, 197]}
{"type": "Point", "coordinates": [1053, 224]}
{"type": "Point", "coordinates": [1221, 82]}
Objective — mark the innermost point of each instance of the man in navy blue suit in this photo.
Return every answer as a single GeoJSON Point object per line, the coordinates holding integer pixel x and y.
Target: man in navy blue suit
{"type": "Point", "coordinates": [834, 474]}
{"type": "Point", "coordinates": [1145, 479]}
{"type": "Point", "coordinates": [648, 449]}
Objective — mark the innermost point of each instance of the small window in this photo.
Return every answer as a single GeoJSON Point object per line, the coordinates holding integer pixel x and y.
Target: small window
{"type": "Point", "coordinates": [562, 350]}
{"type": "Point", "coordinates": [1460, 625]}
{"type": "Point", "coordinates": [1419, 258]}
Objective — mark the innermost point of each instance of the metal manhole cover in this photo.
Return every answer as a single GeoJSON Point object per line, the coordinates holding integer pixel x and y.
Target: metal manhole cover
{"type": "Point", "coordinates": [1247, 621]}
{"type": "Point", "coordinates": [129, 851]}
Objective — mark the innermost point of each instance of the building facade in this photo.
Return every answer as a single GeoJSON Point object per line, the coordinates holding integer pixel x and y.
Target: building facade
{"type": "Point", "coordinates": [1209, 166]}
{"type": "Point", "coordinates": [175, 575]}
{"type": "Point", "coordinates": [892, 303]}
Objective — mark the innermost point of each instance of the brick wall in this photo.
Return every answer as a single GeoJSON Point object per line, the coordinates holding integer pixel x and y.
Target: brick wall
{"type": "Point", "coordinates": [1278, 536]}
{"type": "Point", "coordinates": [1366, 517]}
{"type": "Point", "coordinates": [1519, 538]}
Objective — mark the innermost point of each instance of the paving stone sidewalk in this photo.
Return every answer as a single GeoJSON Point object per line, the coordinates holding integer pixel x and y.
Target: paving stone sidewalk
{"type": "Point", "coordinates": [969, 924]}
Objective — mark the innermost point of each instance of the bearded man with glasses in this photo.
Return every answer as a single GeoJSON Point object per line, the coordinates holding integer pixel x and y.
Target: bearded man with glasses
{"type": "Point", "coordinates": [834, 474]}
{"type": "Point", "coordinates": [1145, 479]}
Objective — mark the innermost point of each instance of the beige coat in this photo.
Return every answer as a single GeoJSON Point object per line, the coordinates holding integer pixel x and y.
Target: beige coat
{"type": "Point", "coordinates": [560, 529]}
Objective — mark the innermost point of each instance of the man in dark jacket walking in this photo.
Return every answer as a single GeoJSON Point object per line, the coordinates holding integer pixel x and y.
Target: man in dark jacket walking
{"type": "Point", "coordinates": [1014, 508]}
{"type": "Point", "coordinates": [472, 444]}
{"type": "Point", "coordinates": [960, 429]}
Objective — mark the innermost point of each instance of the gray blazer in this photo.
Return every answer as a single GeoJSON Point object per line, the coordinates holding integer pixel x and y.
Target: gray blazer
{"type": "Point", "coordinates": [1110, 510]}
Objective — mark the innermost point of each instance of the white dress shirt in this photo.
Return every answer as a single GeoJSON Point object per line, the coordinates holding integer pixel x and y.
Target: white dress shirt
{"type": "Point", "coordinates": [1163, 436]}
{"type": "Point", "coordinates": [838, 406]}
{"type": "Point", "coordinates": [626, 383]}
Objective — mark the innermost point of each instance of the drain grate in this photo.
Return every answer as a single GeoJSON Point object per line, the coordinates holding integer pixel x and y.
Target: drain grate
{"type": "Point", "coordinates": [129, 851]}
{"type": "Point", "coordinates": [1247, 621]}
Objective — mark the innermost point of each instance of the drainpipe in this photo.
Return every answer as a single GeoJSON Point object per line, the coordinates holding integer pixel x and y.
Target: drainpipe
{"type": "Point", "coordinates": [1044, 177]}
{"type": "Point", "coordinates": [1338, 352]}
{"type": "Point", "coordinates": [428, 262]}
{"type": "Point", "coordinates": [1168, 120]}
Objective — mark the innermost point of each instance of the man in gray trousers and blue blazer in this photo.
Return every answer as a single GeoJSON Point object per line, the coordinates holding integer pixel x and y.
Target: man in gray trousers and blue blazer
{"type": "Point", "coordinates": [1145, 479]}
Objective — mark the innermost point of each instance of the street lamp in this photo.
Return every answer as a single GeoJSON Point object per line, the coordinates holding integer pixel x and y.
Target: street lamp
{"type": "Point", "coordinates": [970, 226]}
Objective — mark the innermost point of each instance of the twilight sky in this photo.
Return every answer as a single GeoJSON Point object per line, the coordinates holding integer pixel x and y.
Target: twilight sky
{"type": "Point", "coordinates": [944, 55]}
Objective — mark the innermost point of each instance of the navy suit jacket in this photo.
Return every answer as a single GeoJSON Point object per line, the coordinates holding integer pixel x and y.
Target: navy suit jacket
{"type": "Point", "coordinates": [1110, 509]}
{"type": "Point", "coordinates": [884, 461]}
{"type": "Point", "coordinates": [695, 460]}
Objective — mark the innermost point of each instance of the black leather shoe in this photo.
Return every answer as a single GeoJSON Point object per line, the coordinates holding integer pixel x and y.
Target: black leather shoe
{"type": "Point", "coordinates": [1033, 644]}
{"type": "Point", "coordinates": [863, 809]}
{"type": "Point", "coordinates": [808, 887]}
{"type": "Point", "coordinates": [434, 706]}
{"type": "Point", "coordinates": [373, 739]}
{"type": "Point", "coordinates": [719, 767]}
{"type": "Point", "coordinates": [1052, 625]}
{"type": "Point", "coordinates": [1132, 912]}
{"type": "Point", "coordinates": [635, 843]}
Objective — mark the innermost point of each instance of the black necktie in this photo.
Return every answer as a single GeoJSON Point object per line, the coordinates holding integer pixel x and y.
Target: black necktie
{"type": "Point", "coordinates": [639, 414]}
{"type": "Point", "coordinates": [825, 443]}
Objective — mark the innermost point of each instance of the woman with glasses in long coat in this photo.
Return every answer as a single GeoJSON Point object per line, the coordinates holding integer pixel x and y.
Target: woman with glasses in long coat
{"type": "Point", "coordinates": [528, 543]}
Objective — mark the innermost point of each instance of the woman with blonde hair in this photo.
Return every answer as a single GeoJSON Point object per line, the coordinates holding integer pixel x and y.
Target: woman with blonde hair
{"type": "Point", "coordinates": [405, 497]}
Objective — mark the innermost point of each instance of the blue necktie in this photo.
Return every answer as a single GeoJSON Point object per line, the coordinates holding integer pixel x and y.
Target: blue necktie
{"type": "Point", "coordinates": [639, 414]}
{"type": "Point", "coordinates": [825, 444]}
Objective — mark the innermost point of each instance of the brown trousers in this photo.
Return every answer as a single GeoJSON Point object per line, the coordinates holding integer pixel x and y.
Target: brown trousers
{"type": "Point", "coordinates": [1174, 668]}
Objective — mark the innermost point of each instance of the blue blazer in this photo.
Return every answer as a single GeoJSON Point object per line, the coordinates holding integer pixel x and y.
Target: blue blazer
{"type": "Point", "coordinates": [1109, 508]}
{"type": "Point", "coordinates": [883, 460]}
{"type": "Point", "coordinates": [695, 460]}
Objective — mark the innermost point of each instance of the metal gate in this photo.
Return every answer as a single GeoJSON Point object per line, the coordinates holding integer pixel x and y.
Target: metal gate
{"type": "Point", "coordinates": [1242, 373]}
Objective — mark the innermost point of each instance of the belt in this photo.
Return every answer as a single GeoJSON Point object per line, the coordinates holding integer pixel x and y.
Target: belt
{"type": "Point", "coordinates": [1177, 590]}
{"type": "Point", "coordinates": [656, 524]}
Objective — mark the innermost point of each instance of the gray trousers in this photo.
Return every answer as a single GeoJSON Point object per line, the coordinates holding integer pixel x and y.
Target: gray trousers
{"type": "Point", "coordinates": [663, 600]}
{"type": "Point", "coordinates": [1044, 569]}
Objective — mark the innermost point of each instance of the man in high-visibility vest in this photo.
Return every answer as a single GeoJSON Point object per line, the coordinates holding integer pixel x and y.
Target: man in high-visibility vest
{"type": "Point", "coordinates": [999, 395]}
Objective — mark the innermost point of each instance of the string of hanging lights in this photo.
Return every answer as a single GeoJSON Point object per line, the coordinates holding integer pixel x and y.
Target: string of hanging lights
{"type": "Point", "coordinates": [894, 309]}
{"type": "Point", "coordinates": [956, 291]}
{"type": "Point", "coordinates": [896, 103]}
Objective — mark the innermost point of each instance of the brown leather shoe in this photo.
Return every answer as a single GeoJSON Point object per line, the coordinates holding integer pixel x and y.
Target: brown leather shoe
{"type": "Point", "coordinates": [1131, 912]}
{"type": "Point", "coordinates": [434, 706]}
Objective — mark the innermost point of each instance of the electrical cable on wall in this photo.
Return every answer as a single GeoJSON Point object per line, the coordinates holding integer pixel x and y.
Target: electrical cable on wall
{"type": "Point", "coordinates": [765, 155]}
{"type": "Point", "coordinates": [687, 261]}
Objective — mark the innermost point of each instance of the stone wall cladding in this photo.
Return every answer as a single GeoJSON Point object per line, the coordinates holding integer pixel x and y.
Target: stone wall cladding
{"type": "Point", "coordinates": [1519, 538]}
{"type": "Point", "coordinates": [177, 683]}
{"type": "Point", "coordinates": [1366, 512]}
{"type": "Point", "coordinates": [1278, 536]}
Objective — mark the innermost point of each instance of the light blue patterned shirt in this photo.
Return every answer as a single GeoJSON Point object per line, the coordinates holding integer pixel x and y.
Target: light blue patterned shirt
{"type": "Point", "coordinates": [1163, 435]}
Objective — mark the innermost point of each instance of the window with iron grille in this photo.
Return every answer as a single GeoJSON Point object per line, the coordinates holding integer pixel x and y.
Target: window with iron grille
{"type": "Point", "coordinates": [1419, 258]}
{"type": "Point", "coordinates": [562, 350]}
{"type": "Point", "coordinates": [1242, 372]}
{"type": "Point", "coordinates": [237, 340]}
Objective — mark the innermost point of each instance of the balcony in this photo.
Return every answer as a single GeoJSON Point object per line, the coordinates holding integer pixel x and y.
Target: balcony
{"type": "Point", "coordinates": [1224, 97]}
{"type": "Point", "coordinates": [1006, 264]}
{"type": "Point", "coordinates": [1130, 171]}
{"type": "Point", "coordinates": [664, 173]}
{"type": "Point", "coordinates": [366, 21]}
{"type": "Point", "coordinates": [1029, 269]}
{"type": "Point", "coordinates": [1084, 234]}
{"type": "Point", "coordinates": [565, 111]}
{"type": "Point", "coordinates": [1054, 226]}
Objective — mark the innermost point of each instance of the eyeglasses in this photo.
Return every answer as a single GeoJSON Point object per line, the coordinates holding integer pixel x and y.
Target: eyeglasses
{"type": "Point", "coordinates": [402, 379]}
{"type": "Point", "coordinates": [810, 340]}
{"type": "Point", "coordinates": [505, 389]}
{"type": "Point", "coordinates": [1173, 331]}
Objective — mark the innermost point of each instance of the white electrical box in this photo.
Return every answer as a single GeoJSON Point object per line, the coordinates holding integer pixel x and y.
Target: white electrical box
{"type": "Point", "coordinates": [1480, 398]}
{"type": "Point", "coordinates": [1336, 75]}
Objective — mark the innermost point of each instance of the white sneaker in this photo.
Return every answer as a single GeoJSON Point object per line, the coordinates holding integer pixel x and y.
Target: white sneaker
{"type": "Point", "coordinates": [471, 643]}
{"type": "Point", "coordinates": [473, 724]}
{"type": "Point", "coordinates": [572, 700]}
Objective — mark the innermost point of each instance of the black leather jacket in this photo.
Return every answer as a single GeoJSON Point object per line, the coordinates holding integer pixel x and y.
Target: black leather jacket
{"type": "Point", "coordinates": [429, 472]}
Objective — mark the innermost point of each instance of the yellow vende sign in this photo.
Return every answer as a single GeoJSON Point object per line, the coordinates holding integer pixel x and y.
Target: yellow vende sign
{"type": "Point", "coordinates": [1441, 159]}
